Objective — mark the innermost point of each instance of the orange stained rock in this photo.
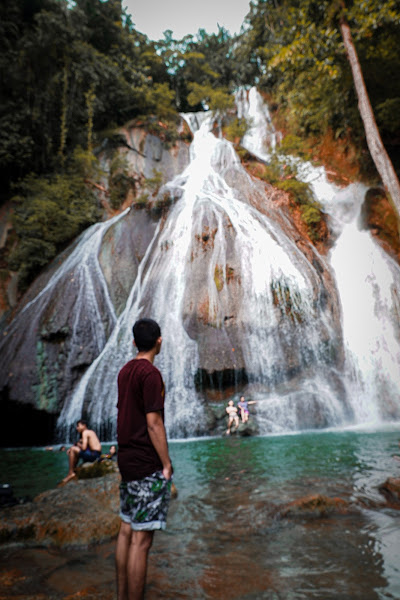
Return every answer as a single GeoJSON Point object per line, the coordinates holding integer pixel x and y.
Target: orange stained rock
{"type": "Point", "coordinates": [316, 504]}
{"type": "Point", "coordinates": [11, 577]}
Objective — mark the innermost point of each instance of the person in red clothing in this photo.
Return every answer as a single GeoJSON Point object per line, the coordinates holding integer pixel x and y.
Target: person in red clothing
{"type": "Point", "coordinates": [143, 460]}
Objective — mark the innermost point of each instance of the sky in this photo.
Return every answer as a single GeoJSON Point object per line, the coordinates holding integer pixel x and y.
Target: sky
{"type": "Point", "coordinates": [153, 17]}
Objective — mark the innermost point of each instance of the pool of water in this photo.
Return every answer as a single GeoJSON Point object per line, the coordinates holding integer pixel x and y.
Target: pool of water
{"type": "Point", "coordinates": [224, 539]}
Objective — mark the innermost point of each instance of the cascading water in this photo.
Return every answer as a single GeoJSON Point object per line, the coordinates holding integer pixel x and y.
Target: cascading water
{"type": "Point", "coordinates": [277, 287]}
{"type": "Point", "coordinates": [238, 297]}
{"type": "Point", "coordinates": [368, 281]}
{"type": "Point", "coordinates": [89, 308]}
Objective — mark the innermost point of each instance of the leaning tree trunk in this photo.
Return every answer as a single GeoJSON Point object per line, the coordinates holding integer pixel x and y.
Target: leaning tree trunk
{"type": "Point", "coordinates": [379, 155]}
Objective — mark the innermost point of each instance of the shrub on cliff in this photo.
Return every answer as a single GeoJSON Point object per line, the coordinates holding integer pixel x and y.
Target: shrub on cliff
{"type": "Point", "coordinates": [283, 175]}
{"type": "Point", "coordinates": [219, 100]}
{"type": "Point", "coordinates": [50, 212]}
{"type": "Point", "coordinates": [120, 181]}
{"type": "Point", "coordinates": [236, 129]}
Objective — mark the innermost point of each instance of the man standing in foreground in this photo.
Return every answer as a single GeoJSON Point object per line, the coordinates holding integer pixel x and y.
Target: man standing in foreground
{"type": "Point", "coordinates": [143, 460]}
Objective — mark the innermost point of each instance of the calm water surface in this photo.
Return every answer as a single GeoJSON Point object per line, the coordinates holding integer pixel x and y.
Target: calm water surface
{"type": "Point", "coordinates": [224, 539]}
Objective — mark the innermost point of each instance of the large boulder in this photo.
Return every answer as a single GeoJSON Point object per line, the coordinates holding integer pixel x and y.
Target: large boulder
{"type": "Point", "coordinates": [81, 513]}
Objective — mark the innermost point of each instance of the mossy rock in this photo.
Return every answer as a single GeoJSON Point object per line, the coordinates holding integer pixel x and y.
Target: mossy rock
{"type": "Point", "coordinates": [97, 469]}
{"type": "Point", "coordinates": [218, 410]}
{"type": "Point", "coordinates": [247, 429]}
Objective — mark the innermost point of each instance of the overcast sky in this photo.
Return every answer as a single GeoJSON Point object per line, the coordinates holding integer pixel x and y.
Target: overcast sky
{"type": "Point", "coordinates": [153, 17]}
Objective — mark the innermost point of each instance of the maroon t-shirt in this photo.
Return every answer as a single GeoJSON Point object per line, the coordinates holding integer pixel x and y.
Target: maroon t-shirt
{"type": "Point", "coordinates": [140, 391]}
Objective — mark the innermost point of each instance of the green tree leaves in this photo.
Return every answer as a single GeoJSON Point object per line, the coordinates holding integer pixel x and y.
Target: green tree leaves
{"type": "Point", "coordinates": [297, 53]}
{"type": "Point", "coordinates": [50, 212]}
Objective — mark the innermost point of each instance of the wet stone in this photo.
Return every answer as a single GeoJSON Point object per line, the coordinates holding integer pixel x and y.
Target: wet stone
{"type": "Point", "coordinates": [315, 506]}
{"type": "Point", "coordinates": [391, 490]}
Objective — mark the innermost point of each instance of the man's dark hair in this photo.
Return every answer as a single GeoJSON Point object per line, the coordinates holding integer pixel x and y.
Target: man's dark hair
{"type": "Point", "coordinates": [146, 333]}
{"type": "Point", "coordinates": [82, 422]}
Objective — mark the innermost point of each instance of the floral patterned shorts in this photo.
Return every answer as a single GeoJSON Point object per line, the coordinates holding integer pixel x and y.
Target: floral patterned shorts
{"type": "Point", "coordinates": [144, 503]}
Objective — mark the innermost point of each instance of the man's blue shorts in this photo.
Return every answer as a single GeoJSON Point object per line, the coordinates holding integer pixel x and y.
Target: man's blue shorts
{"type": "Point", "coordinates": [89, 455]}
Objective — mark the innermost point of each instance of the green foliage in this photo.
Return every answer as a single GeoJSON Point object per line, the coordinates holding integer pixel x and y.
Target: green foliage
{"type": "Point", "coordinates": [219, 100]}
{"type": "Point", "coordinates": [296, 52]}
{"type": "Point", "coordinates": [71, 69]}
{"type": "Point", "coordinates": [162, 204]}
{"type": "Point", "coordinates": [294, 145]}
{"type": "Point", "coordinates": [84, 164]}
{"type": "Point", "coordinates": [388, 115]}
{"type": "Point", "coordinates": [68, 70]}
{"type": "Point", "coordinates": [142, 200]}
{"type": "Point", "coordinates": [160, 101]}
{"type": "Point", "coordinates": [155, 182]}
{"type": "Point", "coordinates": [283, 175]}
{"type": "Point", "coordinates": [311, 214]}
{"type": "Point", "coordinates": [49, 213]}
{"type": "Point", "coordinates": [205, 59]}
{"type": "Point", "coordinates": [236, 129]}
{"type": "Point", "coordinates": [119, 181]}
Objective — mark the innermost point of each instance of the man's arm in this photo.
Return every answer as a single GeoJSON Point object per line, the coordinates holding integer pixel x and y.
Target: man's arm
{"type": "Point", "coordinates": [158, 436]}
{"type": "Point", "coordinates": [84, 441]}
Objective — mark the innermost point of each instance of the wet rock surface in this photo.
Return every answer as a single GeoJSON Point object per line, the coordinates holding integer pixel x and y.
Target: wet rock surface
{"type": "Point", "coordinates": [278, 325]}
{"type": "Point", "coordinates": [315, 506]}
{"type": "Point", "coordinates": [66, 316]}
{"type": "Point", "coordinates": [379, 216]}
{"type": "Point", "coordinates": [390, 489]}
{"type": "Point", "coordinates": [80, 513]}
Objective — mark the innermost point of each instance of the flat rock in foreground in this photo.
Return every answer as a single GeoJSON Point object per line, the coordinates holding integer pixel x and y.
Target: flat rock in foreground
{"type": "Point", "coordinates": [81, 513]}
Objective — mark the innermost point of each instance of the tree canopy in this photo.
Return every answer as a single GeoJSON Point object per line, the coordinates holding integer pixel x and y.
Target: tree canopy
{"type": "Point", "coordinates": [297, 55]}
{"type": "Point", "coordinates": [72, 72]}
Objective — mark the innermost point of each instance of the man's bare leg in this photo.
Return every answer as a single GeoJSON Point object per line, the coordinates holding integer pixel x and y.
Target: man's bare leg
{"type": "Point", "coordinates": [141, 542]}
{"type": "Point", "coordinates": [121, 560]}
{"type": "Point", "coordinates": [131, 561]}
{"type": "Point", "coordinates": [73, 456]}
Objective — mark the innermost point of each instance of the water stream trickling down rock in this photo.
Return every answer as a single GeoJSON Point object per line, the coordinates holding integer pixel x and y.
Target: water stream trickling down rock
{"type": "Point", "coordinates": [244, 302]}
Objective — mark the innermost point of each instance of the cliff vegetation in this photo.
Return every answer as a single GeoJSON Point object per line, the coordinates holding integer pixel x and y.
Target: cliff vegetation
{"type": "Point", "coordinates": [73, 74]}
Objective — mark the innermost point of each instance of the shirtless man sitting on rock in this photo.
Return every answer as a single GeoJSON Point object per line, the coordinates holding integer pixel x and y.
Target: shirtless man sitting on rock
{"type": "Point", "coordinates": [88, 448]}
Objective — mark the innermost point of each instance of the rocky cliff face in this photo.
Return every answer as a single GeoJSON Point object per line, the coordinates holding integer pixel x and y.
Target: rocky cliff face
{"type": "Point", "coordinates": [64, 319]}
{"type": "Point", "coordinates": [245, 300]}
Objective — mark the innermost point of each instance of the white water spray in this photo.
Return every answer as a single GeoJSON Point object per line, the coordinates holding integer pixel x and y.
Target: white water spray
{"type": "Point", "coordinates": [368, 281]}
{"type": "Point", "coordinates": [225, 278]}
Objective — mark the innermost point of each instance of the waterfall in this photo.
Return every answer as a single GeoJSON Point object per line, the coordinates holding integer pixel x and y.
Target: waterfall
{"type": "Point", "coordinates": [368, 282]}
{"type": "Point", "coordinates": [78, 286]}
{"type": "Point", "coordinates": [240, 298]}
{"type": "Point", "coordinates": [278, 301]}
